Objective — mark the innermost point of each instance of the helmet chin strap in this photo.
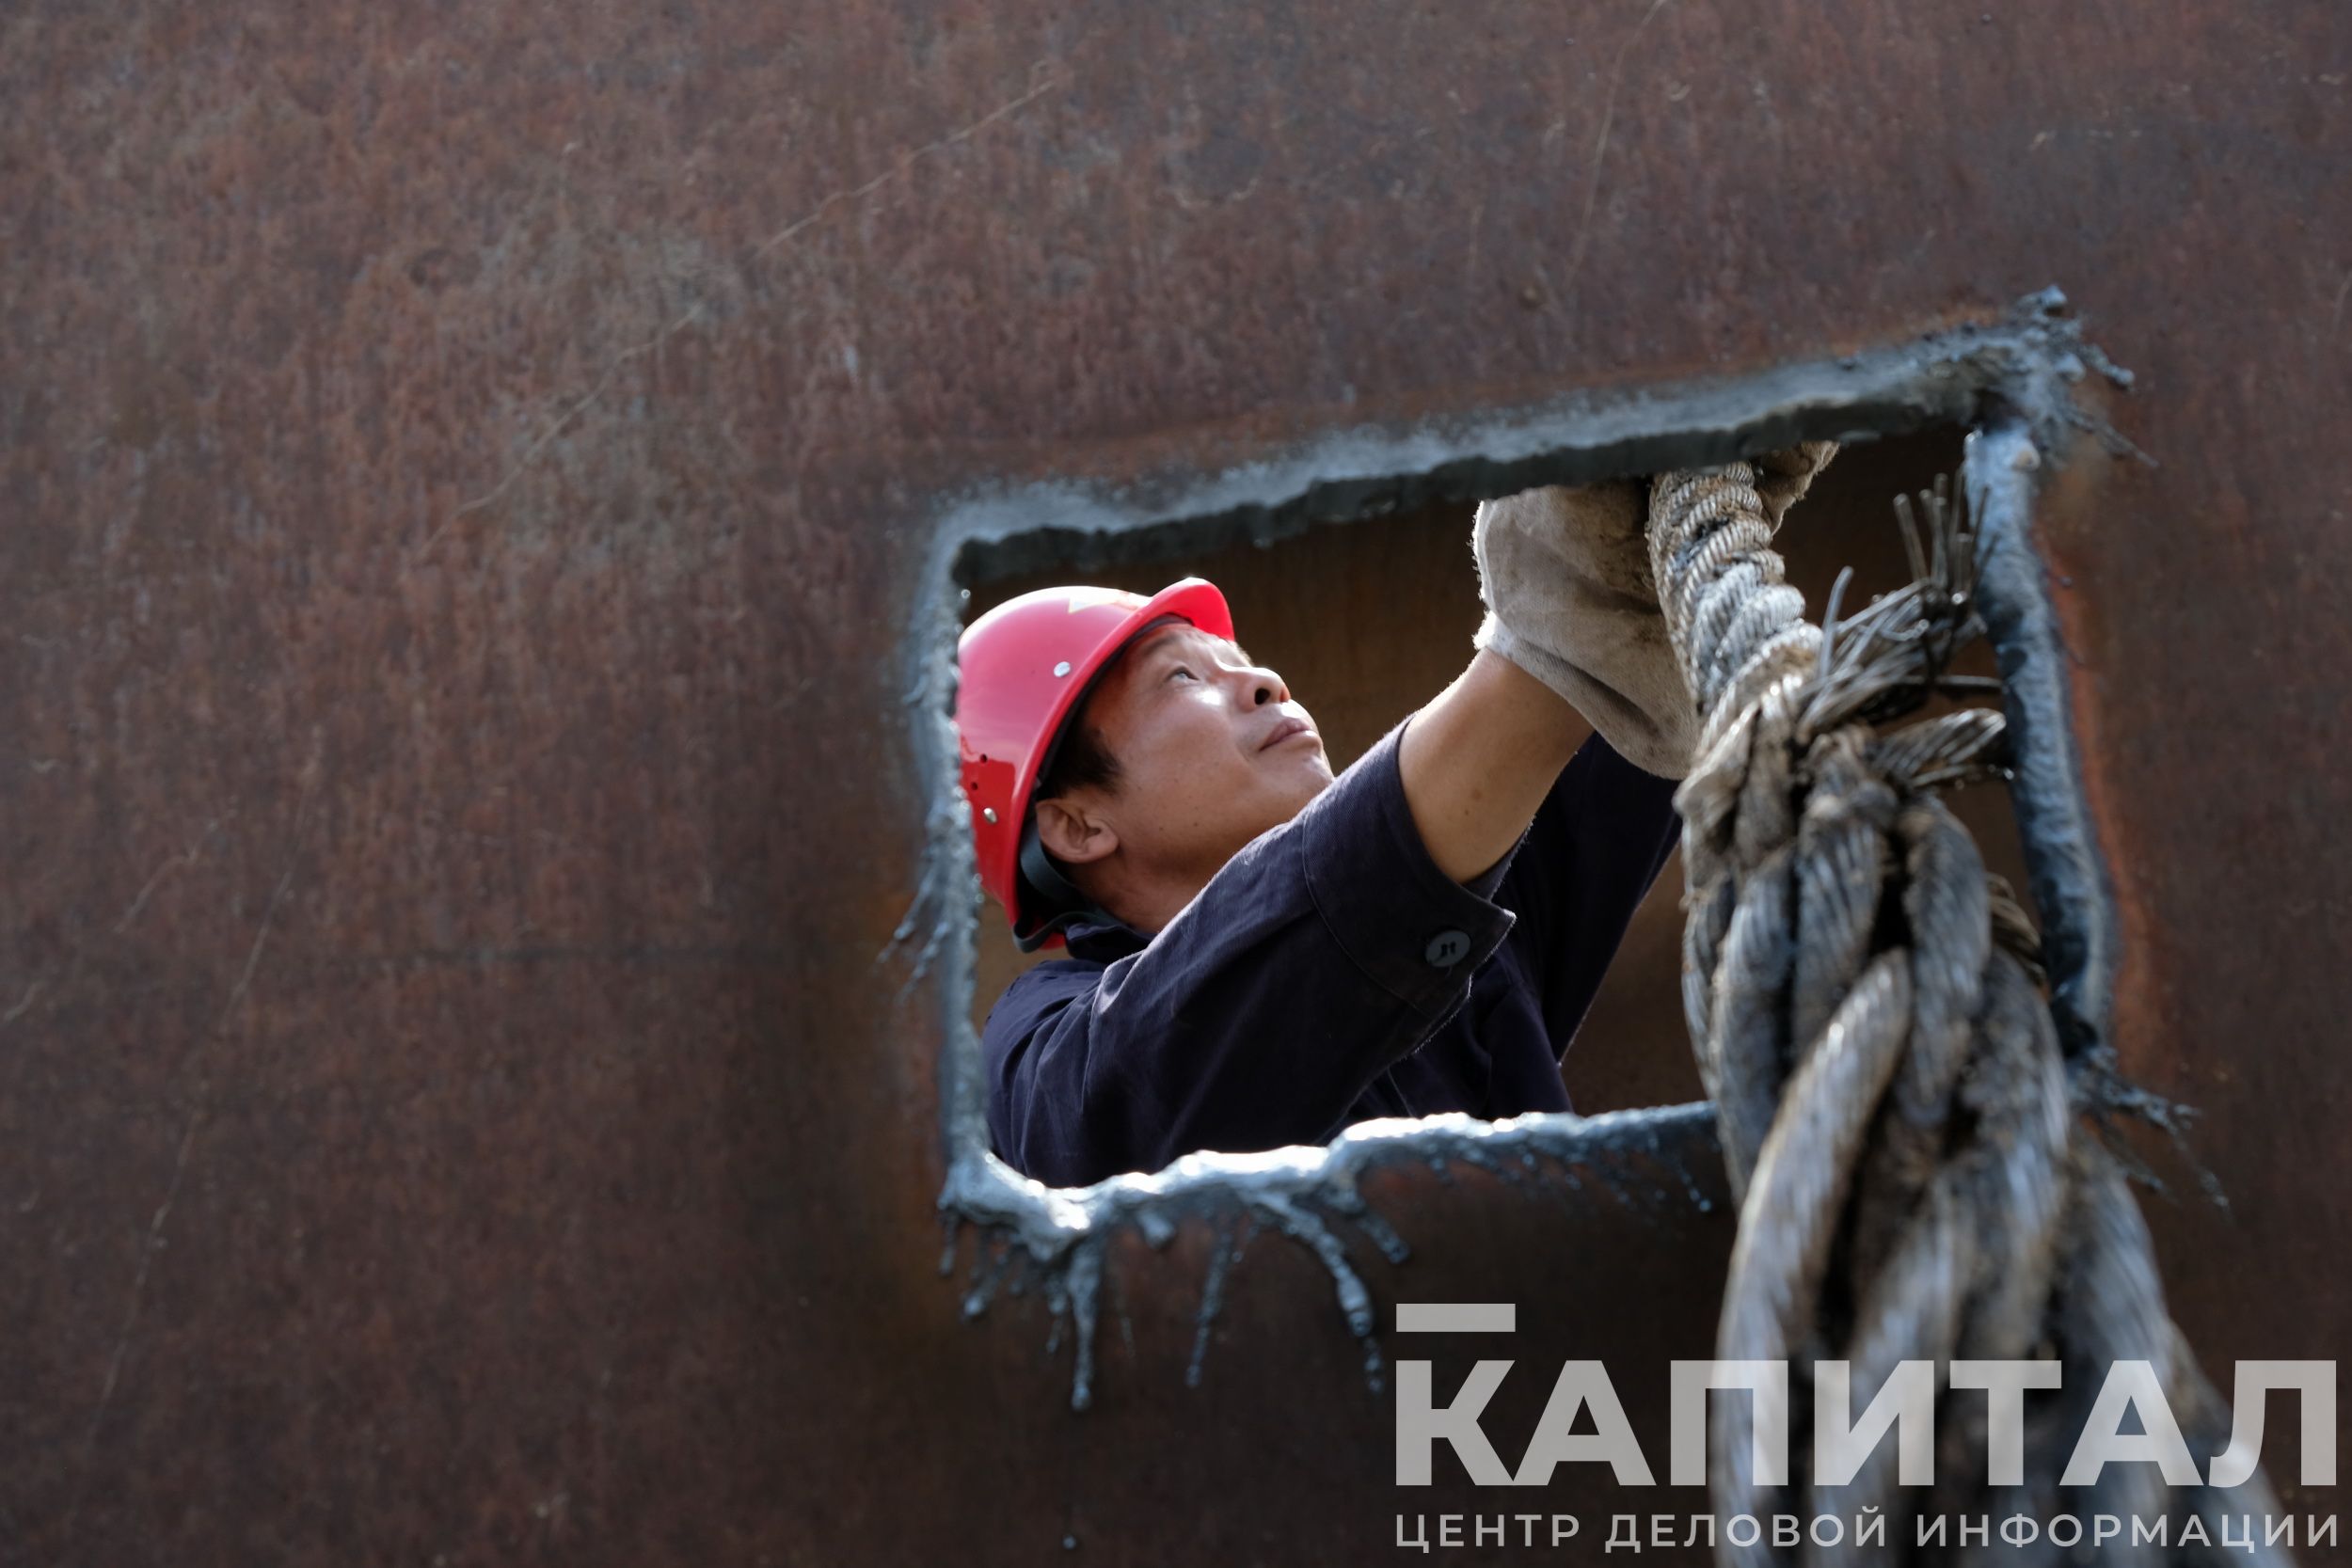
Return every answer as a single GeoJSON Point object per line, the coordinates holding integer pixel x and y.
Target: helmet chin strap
{"type": "Point", "coordinates": [1039, 870]}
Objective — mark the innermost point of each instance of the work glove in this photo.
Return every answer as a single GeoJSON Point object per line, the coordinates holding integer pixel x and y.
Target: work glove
{"type": "Point", "coordinates": [1565, 576]}
{"type": "Point", "coordinates": [1782, 477]}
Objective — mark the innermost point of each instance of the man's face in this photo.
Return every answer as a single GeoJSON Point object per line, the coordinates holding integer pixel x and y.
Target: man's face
{"type": "Point", "coordinates": [1212, 750]}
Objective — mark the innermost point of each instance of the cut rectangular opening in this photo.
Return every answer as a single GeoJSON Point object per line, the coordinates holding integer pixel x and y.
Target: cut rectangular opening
{"type": "Point", "coordinates": [1369, 619]}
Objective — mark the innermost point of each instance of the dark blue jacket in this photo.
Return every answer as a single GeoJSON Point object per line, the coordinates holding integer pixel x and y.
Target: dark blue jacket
{"type": "Point", "coordinates": [1328, 974]}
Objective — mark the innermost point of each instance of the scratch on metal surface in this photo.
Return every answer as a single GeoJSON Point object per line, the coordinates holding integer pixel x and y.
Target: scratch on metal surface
{"type": "Point", "coordinates": [23, 1004]}
{"type": "Point", "coordinates": [562, 422]}
{"type": "Point", "coordinates": [1600, 149]}
{"type": "Point", "coordinates": [61, 979]}
{"type": "Point", "coordinates": [152, 1240]}
{"type": "Point", "coordinates": [1043, 79]}
{"type": "Point", "coordinates": [186, 860]}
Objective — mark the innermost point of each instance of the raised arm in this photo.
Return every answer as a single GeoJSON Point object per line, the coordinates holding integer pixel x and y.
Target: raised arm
{"type": "Point", "coordinates": [1481, 757]}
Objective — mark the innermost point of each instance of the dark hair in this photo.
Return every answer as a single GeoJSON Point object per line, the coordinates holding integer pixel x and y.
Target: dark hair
{"type": "Point", "coordinates": [1081, 761]}
{"type": "Point", "coordinates": [1078, 759]}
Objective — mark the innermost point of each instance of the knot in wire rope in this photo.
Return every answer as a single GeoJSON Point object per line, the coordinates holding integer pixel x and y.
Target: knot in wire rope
{"type": "Point", "coordinates": [1866, 1002]}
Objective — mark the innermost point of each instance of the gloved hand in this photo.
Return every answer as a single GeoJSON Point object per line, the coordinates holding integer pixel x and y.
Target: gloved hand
{"type": "Point", "coordinates": [1782, 477]}
{"type": "Point", "coordinates": [1565, 575]}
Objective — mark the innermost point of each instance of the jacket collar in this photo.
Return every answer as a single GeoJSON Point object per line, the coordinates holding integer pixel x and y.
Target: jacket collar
{"type": "Point", "coordinates": [1102, 940]}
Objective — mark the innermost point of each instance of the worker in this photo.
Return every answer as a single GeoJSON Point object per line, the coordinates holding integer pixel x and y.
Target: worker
{"type": "Point", "coordinates": [1260, 953]}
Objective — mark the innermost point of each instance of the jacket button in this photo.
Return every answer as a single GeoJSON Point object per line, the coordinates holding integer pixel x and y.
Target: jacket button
{"type": "Point", "coordinates": [1446, 949]}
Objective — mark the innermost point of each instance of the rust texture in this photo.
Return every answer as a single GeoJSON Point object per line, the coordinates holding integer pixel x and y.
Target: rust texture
{"type": "Point", "coordinates": [466, 472]}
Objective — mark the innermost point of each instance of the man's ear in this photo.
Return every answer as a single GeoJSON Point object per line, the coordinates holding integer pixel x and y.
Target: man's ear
{"type": "Point", "coordinates": [1071, 832]}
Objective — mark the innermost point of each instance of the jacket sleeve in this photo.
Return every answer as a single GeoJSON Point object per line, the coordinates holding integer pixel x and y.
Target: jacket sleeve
{"type": "Point", "coordinates": [1597, 844]}
{"type": "Point", "coordinates": [1324, 951]}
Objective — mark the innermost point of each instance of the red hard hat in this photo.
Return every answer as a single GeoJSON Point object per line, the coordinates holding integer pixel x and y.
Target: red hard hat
{"type": "Point", "coordinates": [1024, 668]}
